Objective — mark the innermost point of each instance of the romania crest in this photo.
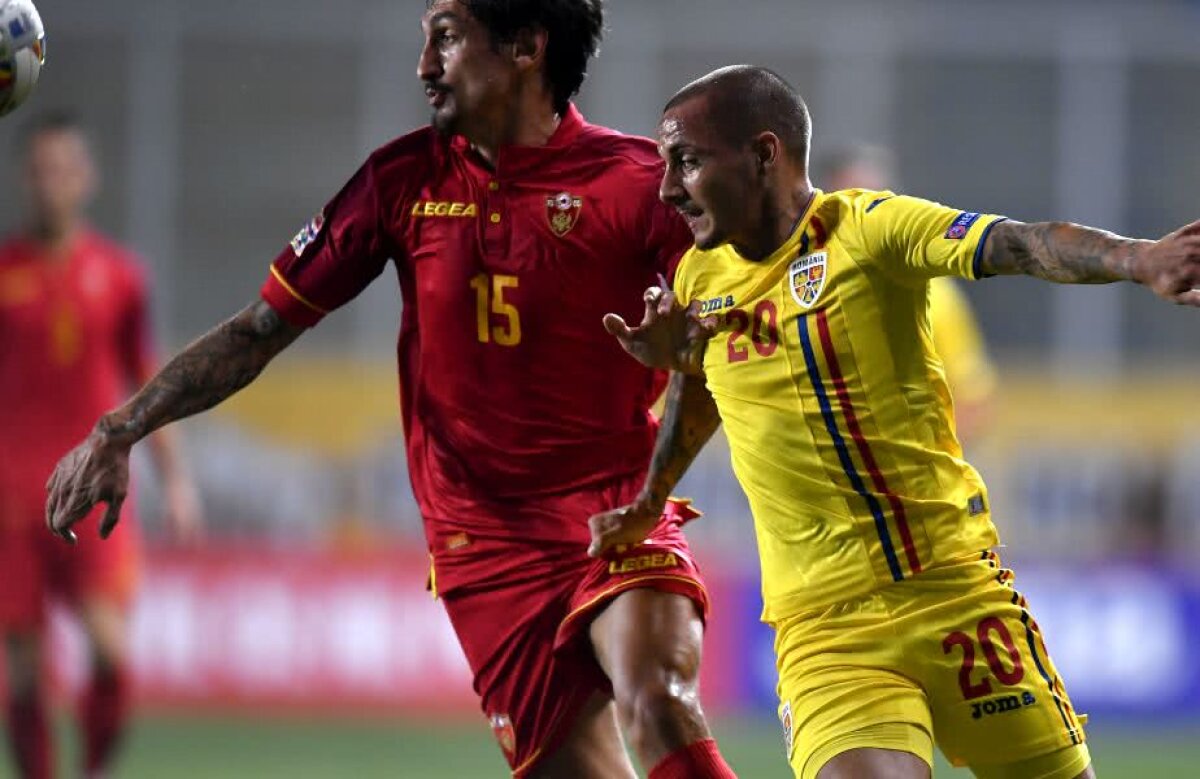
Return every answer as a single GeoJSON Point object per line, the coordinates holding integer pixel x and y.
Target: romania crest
{"type": "Point", "coordinates": [806, 276]}
{"type": "Point", "coordinates": [562, 211]}
{"type": "Point", "coordinates": [505, 735]}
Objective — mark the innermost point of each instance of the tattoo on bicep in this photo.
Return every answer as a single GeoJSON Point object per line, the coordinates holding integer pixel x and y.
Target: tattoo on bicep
{"type": "Point", "coordinates": [208, 371]}
{"type": "Point", "coordinates": [1057, 251]}
{"type": "Point", "coordinates": [690, 420]}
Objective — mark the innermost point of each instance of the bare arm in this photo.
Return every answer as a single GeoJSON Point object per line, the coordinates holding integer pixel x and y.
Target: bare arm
{"type": "Point", "coordinates": [689, 421]}
{"type": "Point", "coordinates": [208, 371]}
{"type": "Point", "coordinates": [1073, 254]}
{"type": "Point", "coordinates": [1059, 251]}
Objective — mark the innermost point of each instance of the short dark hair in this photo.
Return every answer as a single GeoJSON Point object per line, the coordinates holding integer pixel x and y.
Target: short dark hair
{"type": "Point", "coordinates": [573, 30]}
{"type": "Point", "coordinates": [56, 121]}
{"type": "Point", "coordinates": [745, 100]}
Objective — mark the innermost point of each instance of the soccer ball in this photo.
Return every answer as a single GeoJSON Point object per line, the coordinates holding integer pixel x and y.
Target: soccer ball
{"type": "Point", "coordinates": [22, 52]}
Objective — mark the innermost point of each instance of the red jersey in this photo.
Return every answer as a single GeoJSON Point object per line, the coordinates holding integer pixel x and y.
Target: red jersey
{"type": "Point", "coordinates": [512, 391]}
{"type": "Point", "coordinates": [73, 340]}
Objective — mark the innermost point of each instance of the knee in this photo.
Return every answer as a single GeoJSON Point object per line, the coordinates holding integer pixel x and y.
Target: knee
{"type": "Point", "coordinates": [23, 666]}
{"type": "Point", "coordinates": [109, 655]}
{"type": "Point", "coordinates": [661, 700]}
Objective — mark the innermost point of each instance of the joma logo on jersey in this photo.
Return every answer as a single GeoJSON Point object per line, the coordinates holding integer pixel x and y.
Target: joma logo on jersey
{"type": "Point", "coordinates": [444, 208]}
{"type": "Point", "coordinates": [1001, 705]}
{"type": "Point", "coordinates": [644, 563]}
{"type": "Point", "coordinates": [713, 305]}
{"type": "Point", "coordinates": [806, 277]}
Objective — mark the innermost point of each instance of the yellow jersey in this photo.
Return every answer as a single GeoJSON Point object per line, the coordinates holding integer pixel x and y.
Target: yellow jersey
{"type": "Point", "coordinates": [834, 400]}
{"type": "Point", "coordinates": [959, 342]}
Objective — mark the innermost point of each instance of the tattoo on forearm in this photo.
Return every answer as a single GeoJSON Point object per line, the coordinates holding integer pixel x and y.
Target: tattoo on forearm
{"type": "Point", "coordinates": [1059, 251]}
{"type": "Point", "coordinates": [690, 419]}
{"type": "Point", "coordinates": [208, 371]}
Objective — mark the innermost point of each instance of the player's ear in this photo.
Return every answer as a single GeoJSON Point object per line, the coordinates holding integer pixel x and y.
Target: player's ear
{"type": "Point", "coordinates": [767, 150]}
{"type": "Point", "coordinates": [529, 47]}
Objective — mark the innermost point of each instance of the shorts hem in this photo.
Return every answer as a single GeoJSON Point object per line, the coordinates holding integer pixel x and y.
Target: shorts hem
{"type": "Point", "coordinates": [870, 738]}
{"type": "Point", "coordinates": [687, 586]}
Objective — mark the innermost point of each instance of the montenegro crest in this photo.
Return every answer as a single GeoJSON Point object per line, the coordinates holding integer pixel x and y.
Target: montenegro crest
{"type": "Point", "coordinates": [505, 735]}
{"type": "Point", "coordinates": [562, 211]}
{"type": "Point", "coordinates": [807, 277]}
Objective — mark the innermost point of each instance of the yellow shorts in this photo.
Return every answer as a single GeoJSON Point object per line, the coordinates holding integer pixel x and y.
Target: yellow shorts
{"type": "Point", "coordinates": [951, 655]}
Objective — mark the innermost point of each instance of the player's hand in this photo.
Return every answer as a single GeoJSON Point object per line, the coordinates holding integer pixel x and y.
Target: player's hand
{"type": "Point", "coordinates": [625, 525]}
{"type": "Point", "coordinates": [96, 471]}
{"type": "Point", "coordinates": [669, 336]}
{"type": "Point", "coordinates": [182, 508]}
{"type": "Point", "coordinates": [1171, 265]}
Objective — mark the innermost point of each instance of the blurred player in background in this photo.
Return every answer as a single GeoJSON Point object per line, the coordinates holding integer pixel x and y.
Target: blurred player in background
{"type": "Point", "coordinates": [74, 339]}
{"type": "Point", "coordinates": [957, 337]}
{"type": "Point", "coordinates": [514, 225]}
{"type": "Point", "coordinates": [895, 624]}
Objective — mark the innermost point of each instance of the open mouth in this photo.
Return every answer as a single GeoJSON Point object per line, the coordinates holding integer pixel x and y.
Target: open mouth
{"type": "Point", "coordinates": [436, 96]}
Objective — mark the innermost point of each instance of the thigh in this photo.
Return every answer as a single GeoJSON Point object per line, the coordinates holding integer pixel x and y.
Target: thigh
{"type": "Point", "coordinates": [531, 694]}
{"type": "Point", "coordinates": [995, 692]}
{"type": "Point", "coordinates": [648, 632]}
{"type": "Point", "coordinates": [842, 689]}
{"type": "Point", "coordinates": [592, 748]}
{"type": "Point", "coordinates": [23, 561]}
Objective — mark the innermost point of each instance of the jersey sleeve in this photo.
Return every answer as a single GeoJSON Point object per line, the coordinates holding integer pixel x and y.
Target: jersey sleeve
{"type": "Point", "coordinates": [915, 240]}
{"type": "Point", "coordinates": [333, 257]}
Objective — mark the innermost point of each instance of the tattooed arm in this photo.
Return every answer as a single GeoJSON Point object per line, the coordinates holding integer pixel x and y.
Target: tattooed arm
{"type": "Point", "coordinates": [690, 419]}
{"type": "Point", "coordinates": [1073, 254]}
{"type": "Point", "coordinates": [208, 371]}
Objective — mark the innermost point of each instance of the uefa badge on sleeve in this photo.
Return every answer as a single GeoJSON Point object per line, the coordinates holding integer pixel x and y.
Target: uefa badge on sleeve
{"type": "Point", "coordinates": [806, 277]}
{"type": "Point", "coordinates": [562, 211]}
{"type": "Point", "coordinates": [308, 234]}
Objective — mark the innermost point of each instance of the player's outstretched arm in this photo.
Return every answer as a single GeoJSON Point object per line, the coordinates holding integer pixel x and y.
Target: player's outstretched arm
{"type": "Point", "coordinates": [689, 420]}
{"type": "Point", "coordinates": [1072, 254]}
{"type": "Point", "coordinates": [208, 371]}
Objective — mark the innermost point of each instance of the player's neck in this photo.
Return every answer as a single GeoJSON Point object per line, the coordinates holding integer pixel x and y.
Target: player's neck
{"type": "Point", "coordinates": [531, 121]}
{"type": "Point", "coordinates": [780, 218]}
{"type": "Point", "coordinates": [55, 238]}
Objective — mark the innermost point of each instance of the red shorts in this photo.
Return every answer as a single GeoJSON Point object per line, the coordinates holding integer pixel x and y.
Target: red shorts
{"type": "Point", "coordinates": [38, 565]}
{"type": "Point", "coordinates": [523, 623]}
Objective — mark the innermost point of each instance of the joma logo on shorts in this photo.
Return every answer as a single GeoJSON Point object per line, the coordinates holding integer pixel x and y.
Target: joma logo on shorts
{"type": "Point", "coordinates": [643, 562]}
{"type": "Point", "coordinates": [1001, 705]}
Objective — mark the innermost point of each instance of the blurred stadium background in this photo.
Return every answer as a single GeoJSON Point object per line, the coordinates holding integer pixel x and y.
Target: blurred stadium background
{"type": "Point", "coordinates": [299, 640]}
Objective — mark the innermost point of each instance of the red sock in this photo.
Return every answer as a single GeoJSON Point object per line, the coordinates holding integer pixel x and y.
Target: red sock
{"type": "Point", "coordinates": [105, 710]}
{"type": "Point", "coordinates": [30, 737]}
{"type": "Point", "coordinates": [698, 760]}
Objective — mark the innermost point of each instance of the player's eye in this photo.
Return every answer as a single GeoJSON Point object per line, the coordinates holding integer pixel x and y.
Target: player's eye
{"type": "Point", "coordinates": [689, 164]}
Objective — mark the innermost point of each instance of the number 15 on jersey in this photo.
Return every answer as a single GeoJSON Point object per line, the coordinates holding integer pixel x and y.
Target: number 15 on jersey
{"type": "Point", "coordinates": [496, 319]}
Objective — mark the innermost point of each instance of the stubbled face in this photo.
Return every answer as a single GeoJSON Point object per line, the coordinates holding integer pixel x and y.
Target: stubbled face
{"type": "Point", "coordinates": [60, 176]}
{"type": "Point", "coordinates": [714, 185]}
{"type": "Point", "coordinates": [469, 82]}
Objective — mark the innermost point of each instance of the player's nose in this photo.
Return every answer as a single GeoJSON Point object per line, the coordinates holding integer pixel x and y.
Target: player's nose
{"type": "Point", "coordinates": [670, 191]}
{"type": "Point", "coordinates": [428, 66]}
